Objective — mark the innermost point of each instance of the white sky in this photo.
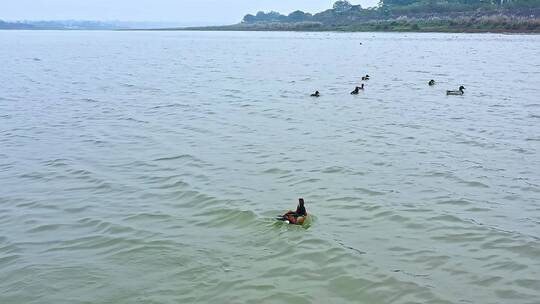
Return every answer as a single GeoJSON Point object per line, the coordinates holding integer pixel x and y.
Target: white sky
{"type": "Point", "coordinates": [185, 11]}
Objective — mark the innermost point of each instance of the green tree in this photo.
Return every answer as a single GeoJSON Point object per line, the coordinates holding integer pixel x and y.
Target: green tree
{"type": "Point", "coordinates": [342, 6]}
{"type": "Point", "coordinates": [298, 16]}
{"type": "Point", "coordinates": [398, 2]}
{"type": "Point", "coordinates": [249, 18]}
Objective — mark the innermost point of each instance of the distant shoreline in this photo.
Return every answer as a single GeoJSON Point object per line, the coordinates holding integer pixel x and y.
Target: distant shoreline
{"type": "Point", "coordinates": [457, 31]}
{"type": "Point", "coordinates": [227, 29]}
{"type": "Point", "coordinates": [478, 16]}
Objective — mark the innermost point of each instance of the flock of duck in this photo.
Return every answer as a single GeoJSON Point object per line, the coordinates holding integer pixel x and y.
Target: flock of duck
{"type": "Point", "coordinates": [357, 89]}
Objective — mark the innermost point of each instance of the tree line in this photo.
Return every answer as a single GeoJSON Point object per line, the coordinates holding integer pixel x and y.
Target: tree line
{"type": "Point", "coordinates": [344, 12]}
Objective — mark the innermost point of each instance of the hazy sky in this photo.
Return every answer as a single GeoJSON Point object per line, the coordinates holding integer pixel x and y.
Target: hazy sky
{"type": "Point", "coordinates": [185, 11]}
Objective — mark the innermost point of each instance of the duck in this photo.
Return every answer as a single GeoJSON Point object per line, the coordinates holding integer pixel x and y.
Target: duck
{"type": "Point", "coordinates": [316, 94]}
{"type": "Point", "coordinates": [357, 89]}
{"type": "Point", "coordinates": [295, 217]}
{"type": "Point", "coordinates": [365, 77]}
{"type": "Point", "coordinates": [460, 91]}
{"type": "Point", "coordinates": [431, 82]}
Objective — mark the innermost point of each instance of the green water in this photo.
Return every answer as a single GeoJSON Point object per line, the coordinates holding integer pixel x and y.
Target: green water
{"type": "Point", "coordinates": [144, 167]}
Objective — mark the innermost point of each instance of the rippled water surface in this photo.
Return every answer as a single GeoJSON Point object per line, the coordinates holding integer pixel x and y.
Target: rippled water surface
{"type": "Point", "coordinates": [146, 167]}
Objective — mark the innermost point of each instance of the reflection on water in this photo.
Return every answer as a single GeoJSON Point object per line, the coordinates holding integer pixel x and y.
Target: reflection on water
{"type": "Point", "coordinates": [147, 167]}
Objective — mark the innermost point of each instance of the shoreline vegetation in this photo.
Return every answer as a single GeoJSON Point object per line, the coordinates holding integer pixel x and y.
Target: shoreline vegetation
{"type": "Point", "coordinates": [469, 16]}
{"type": "Point", "coordinates": [454, 16]}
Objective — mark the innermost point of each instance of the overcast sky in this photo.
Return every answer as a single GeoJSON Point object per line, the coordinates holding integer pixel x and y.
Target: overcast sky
{"type": "Point", "coordinates": [185, 11]}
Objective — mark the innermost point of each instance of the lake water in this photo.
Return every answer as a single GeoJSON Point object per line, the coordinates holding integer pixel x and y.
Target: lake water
{"type": "Point", "coordinates": [147, 167]}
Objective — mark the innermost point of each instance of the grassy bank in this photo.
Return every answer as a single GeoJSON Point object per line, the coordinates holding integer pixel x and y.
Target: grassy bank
{"type": "Point", "coordinates": [463, 24]}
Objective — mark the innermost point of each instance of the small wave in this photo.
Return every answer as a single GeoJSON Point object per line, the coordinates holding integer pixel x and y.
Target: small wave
{"type": "Point", "coordinates": [59, 162]}
{"type": "Point", "coordinates": [176, 157]}
{"type": "Point", "coordinates": [6, 260]}
{"type": "Point", "coordinates": [276, 171]}
{"type": "Point", "coordinates": [90, 100]}
{"type": "Point", "coordinates": [99, 186]}
{"type": "Point", "coordinates": [387, 213]}
{"type": "Point", "coordinates": [473, 143]}
{"type": "Point", "coordinates": [506, 266]}
{"type": "Point", "coordinates": [77, 209]}
{"type": "Point", "coordinates": [174, 185]}
{"type": "Point", "coordinates": [79, 172]}
{"type": "Point", "coordinates": [416, 275]}
{"type": "Point", "coordinates": [172, 105]}
{"type": "Point", "coordinates": [459, 202]}
{"type": "Point", "coordinates": [333, 169]}
{"type": "Point", "coordinates": [398, 218]}
{"type": "Point", "coordinates": [9, 249]}
{"type": "Point", "coordinates": [33, 175]}
{"type": "Point", "coordinates": [226, 217]}
{"type": "Point", "coordinates": [145, 217]}
{"type": "Point", "coordinates": [191, 199]}
{"type": "Point", "coordinates": [369, 191]}
{"type": "Point", "coordinates": [338, 202]}
{"type": "Point", "coordinates": [446, 218]}
{"type": "Point", "coordinates": [135, 120]}
{"type": "Point", "coordinates": [358, 251]}
{"type": "Point", "coordinates": [306, 181]}
{"type": "Point", "coordinates": [477, 209]}
{"type": "Point", "coordinates": [93, 242]}
{"type": "Point", "coordinates": [474, 184]}
{"type": "Point", "coordinates": [531, 284]}
{"type": "Point", "coordinates": [42, 228]}
{"type": "Point", "coordinates": [486, 282]}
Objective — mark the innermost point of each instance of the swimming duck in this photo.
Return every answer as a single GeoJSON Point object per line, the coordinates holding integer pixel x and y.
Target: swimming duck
{"type": "Point", "coordinates": [295, 217]}
{"type": "Point", "coordinates": [316, 94]}
{"type": "Point", "coordinates": [357, 90]}
{"type": "Point", "coordinates": [460, 91]}
{"type": "Point", "coordinates": [431, 82]}
{"type": "Point", "coordinates": [365, 77]}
